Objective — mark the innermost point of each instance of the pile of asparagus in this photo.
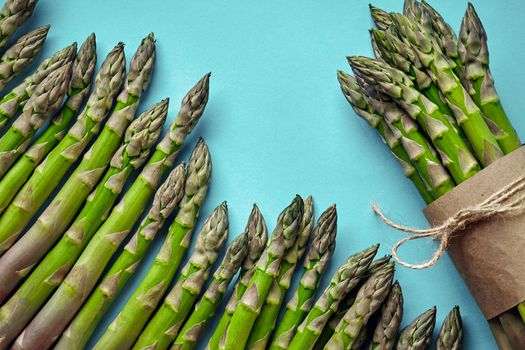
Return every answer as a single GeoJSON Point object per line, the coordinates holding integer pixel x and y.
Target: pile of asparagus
{"type": "Point", "coordinates": [431, 97]}
{"type": "Point", "coordinates": [65, 257]}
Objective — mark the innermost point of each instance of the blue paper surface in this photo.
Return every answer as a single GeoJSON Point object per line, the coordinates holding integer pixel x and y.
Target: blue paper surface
{"type": "Point", "coordinates": [277, 123]}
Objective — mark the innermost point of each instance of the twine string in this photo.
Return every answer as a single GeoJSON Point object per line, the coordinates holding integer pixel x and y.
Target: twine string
{"type": "Point", "coordinates": [506, 201]}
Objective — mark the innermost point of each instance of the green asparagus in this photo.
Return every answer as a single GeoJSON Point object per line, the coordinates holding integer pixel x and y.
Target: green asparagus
{"type": "Point", "coordinates": [418, 334]}
{"type": "Point", "coordinates": [258, 237]}
{"type": "Point", "coordinates": [467, 113]}
{"type": "Point", "coordinates": [47, 176]}
{"type": "Point", "coordinates": [390, 316]}
{"type": "Point", "coordinates": [107, 85]}
{"type": "Point", "coordinates": [13, 14]}
{"type": "Point", "coordinates": [455, 154]}
{"type": "Point", "coordinates": [265, 323]}
{"type": "Point", "coordinates": [165, 325]}
{"type": "Point", "coordinates": [83, 325]}
{"type": "Point", "coordinates": [125, 329]}
{"type": "Point", "coordinates": [344, 280]}
{"type": "Point", "coordinates": [209, 302]}
{"type": "Point", "coordinates": [43, 103]}
{"type": "Point", "coordinates": [13, 102]}
{"type": "Point", "coordinates": [368, 300]}
{"type": "Point", "coordinates": [267, 270]}
{"type": "Point", "coordinates": [357, 100]}
{"type": "Point", "coordinates": [321, 250]}
{"type": "Point", "coordinates": [381, 18]}
{"type": "Point", "coordinates": [26, 253]}
{"type": "Point", "coordinates": [451, 334]}
{"type": "Point", "coordinates": [21, 54]}
{"type": "Point", "coordinates": [478, 81]}
{"type": "Point", "coordinates": [52, 319]}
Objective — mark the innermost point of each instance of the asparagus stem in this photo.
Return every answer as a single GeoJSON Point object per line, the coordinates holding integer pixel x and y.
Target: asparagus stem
{"type": "Point", "coordinates": [368, 300]}
{"type": "Point", "coordinates": [107, 85]}
{"type": "Point", "coordinates": [14, 101]}
{"type": "Point", "coordinates": [358, 101]}
{"type": "Point", "coordinates": [209, 302]}
{"type": "Point", "coordinates": [17, 57]}
{"type": "Point", "coordinates": [499, 334]}
{"type": "Point", "coordinates": [514, 328]}
{"type": "Point", "coordinates": [127, 326]}
{"type": "Point", "coordinates": [478, 81]}
{"type": "Point", "coordinates": [83, 325]}
{"type": "Point", "coordinates": [258, 237]}
{"type": "Point", "coordinates": [165, 325]}
{"type": "Point", "coordinates": [265, 323]}
{"type": "Point", "coordinates": [455, 154]}
{"type": "Point", "coordinates": [344, 280]}
{"type": "Point", "coordinates": [418, 334]}
{"type": "Point", "coordinates": [48, 175]}
{"type": "Point", "coordinates": [44, 102]}
{"type": "Point", "coordinates": [391, 313]}
{"type": "Point", "coordinates": [467, 114]}
{"type": "Point", "coordinates": [451, 334]}
{"type": "Point", "coordinates": [268, 266]}
{"type": "Point", "coordinates": [13, 14]}
{"type": "Point", "coordinates": [321, 250]}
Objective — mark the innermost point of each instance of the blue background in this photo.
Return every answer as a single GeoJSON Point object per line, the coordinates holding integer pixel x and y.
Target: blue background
{"type": "Point", "coordinates": [277, 123]}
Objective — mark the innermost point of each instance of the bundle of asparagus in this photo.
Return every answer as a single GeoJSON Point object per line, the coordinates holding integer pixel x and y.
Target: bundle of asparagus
{"type": "Point", "coordinates": [431, 97]}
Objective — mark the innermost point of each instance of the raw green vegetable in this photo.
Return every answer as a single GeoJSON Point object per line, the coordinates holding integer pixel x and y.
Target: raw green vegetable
{"type": "Point", "coordinates": [83, 325]}
{"type": "Point", "coordinates": [418, 334]}
{"type": "Point", "coordinates": [48, 175]}
{"type": "Point", "coordinates": [268, 266]}
{"type": "Point", "coordinates": [343, 281]}
{"type": "Point", "coordinates": [165, 325]}
{"type": "Point", "coordinates": [21, 54]}
{"type": "Point", "coordinates": [13, 14]}
{"type": "Point", "coordinates": [127, 326]}
{"type": "Point", "coordinates": [209, 302]}
{"type": "Point", "coordinates": [257, 238]}
{"type": "Point", "coordinates": [451, 334]}
{"type": "Point", "coordinates": [321, 250]}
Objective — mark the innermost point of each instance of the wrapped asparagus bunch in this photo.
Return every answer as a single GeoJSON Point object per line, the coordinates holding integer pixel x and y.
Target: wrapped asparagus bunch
{"type": "Point", "coordinates": [431, 97]}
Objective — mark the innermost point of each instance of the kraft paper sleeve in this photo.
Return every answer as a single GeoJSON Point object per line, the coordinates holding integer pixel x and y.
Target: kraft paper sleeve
{"type": "Point", "coordinates": [489, 255]}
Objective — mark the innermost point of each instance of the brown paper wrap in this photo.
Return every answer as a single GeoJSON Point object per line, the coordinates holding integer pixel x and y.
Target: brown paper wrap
{"type": "Point", "coordinates": [490, 255]}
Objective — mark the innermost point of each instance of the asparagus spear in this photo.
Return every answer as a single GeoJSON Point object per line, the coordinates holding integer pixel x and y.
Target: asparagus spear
{"type": "Point", "coordinates": [390, 316]}
{"type": "Point", "coordinates": [209, 302]}
{"type": "Point", "coordinates": [48, 175]}
{"type": "Point", "coordinates": [368, 300]}
{"type": "Point", "coordinates": [454, 153]}
{"type": "Point", "coordinates": [347, 302]}
{"type": "Point", "coordinates": [380, 17]}
{"type": "Point", "coordinates": [467, 114]}
{"type": "Point", "coordinates": [343, 281]}
{"type": "Point", "coordinates": [268, 265]}
{"type": "Point", "coordinates": [418, 334]}
{"type": "Point", "coordinates": [164, 326]}
{"type": "Point", "coordinates": [258, 237]}
{"type": "Point", "coordinates": [21, 54]}
{"type": "Point", "coordinates": [49, 323]}
{"type": "Point", "coordinates": [13, 14]}
{"type": "Point", "coordinates": [321, 250]}
{"type": "Point", "coordinates": [451, 334]}
{"type": "Point", "coordinates": [44, 102]}
{"type": "Point", "coordinates": [14, 100]}
{"type": "Point", "coordinates": [107, 84]}
{"type": "Point", "coordinates": [265, 323]}
{"type": "Point", "coordinates": [125, 329]}
{"type": "Point", "coordinates": [477, 78]}
{"type": "Point", "coordinates": [83, 325]}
